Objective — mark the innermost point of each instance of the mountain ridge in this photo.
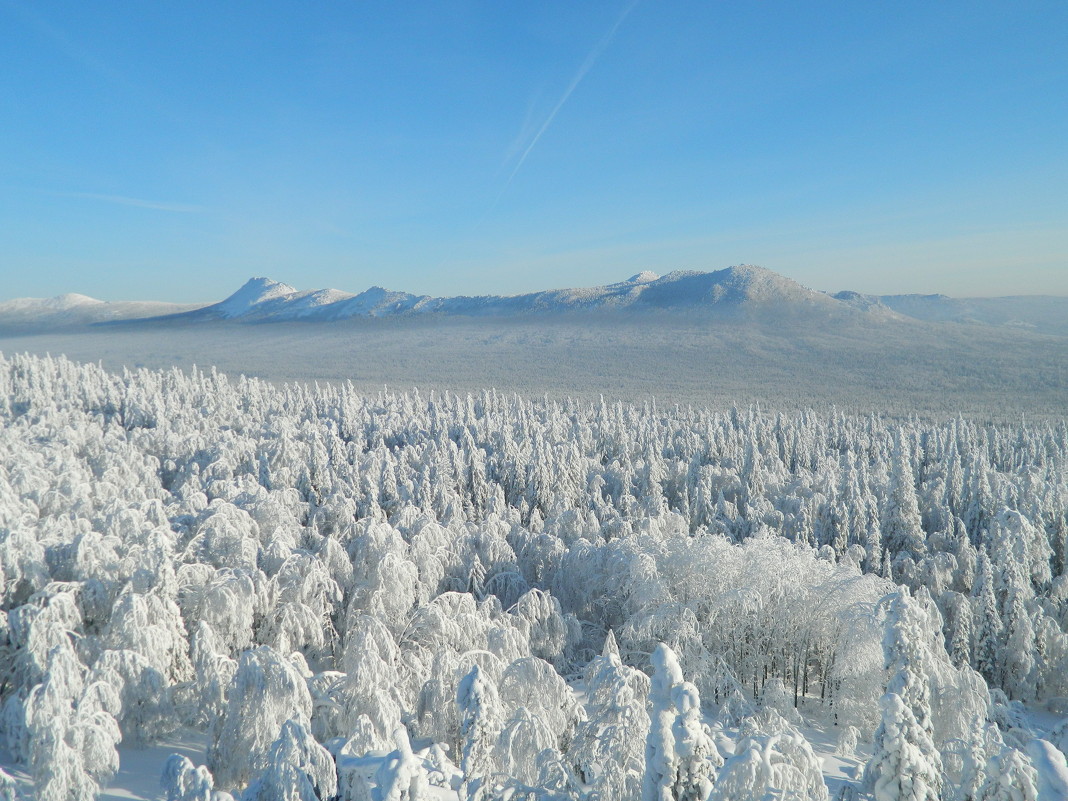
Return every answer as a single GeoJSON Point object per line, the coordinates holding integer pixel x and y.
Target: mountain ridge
{"type": "Point", "coordinates": [741, 289]}
{"type": "Point", "coordinates": [738, 292]}
{"type": "Point", "coordinates": [73, 310]}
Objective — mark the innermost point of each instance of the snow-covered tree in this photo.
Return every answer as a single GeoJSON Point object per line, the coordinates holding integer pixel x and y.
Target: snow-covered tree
{"type": "Point", "coordinates": [902, 528]}
{"type": "Point", "coordinates": [698, 758]}
{"type": "Point", "coordinates": [769, 765]}
{"type": "Point", "coordinates": [522, 740]}
{"type": "Point", "coordinates": [401, 776]}
{"type": "Point", "coordinates": [481, 720]}
{"type": "Point", "coordinates": [182, 781]}
{"type": "Point", "coordinates": [609, 748]}
{"type": "Point", "coordinates": [298, 769]}
{"type": "Point", "coordinates": [1010, 776]}
{"type": "Point", "coordinates": [267, 692]}
{"type": "Point", "coordinates": [904, 765]}
{"type": "Point", "coordinates": [661, 757]}
{"type": "Point", "coordinates": [72, 733]}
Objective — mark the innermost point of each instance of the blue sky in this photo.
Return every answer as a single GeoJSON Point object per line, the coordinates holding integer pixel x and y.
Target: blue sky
{"type": "Point", "coordinates": [170, 150]}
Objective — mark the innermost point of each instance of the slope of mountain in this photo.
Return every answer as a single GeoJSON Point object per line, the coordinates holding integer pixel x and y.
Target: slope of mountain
{"type": "Point", "coordinates": [255, 294]}
{"type": "Point", "coordinates": [742, 293]}
{"type": "Point", "coordinates": [743, 290]}
{"type": "Point", "coordinates": [73, 310]}
{"type": "Point", "coordinates": [1041, 314]}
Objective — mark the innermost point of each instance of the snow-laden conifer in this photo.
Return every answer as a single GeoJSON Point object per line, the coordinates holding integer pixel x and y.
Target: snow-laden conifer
{"type": "Point", "coordinates": [481, 720]}
{"type": "Point", "coordinates": [698, 758]}
{"type": "Point", "coordinates": [609, 748]}
{"type": "Point", "coordinates": [661, 756]}
{"type": "Point", "coordinates": [902, 528]}
{"type": "Point", "coordinates": [904, 765]}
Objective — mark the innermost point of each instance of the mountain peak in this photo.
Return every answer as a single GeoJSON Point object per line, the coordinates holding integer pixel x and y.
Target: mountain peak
{"type": "Point", "coordinates": [254, 292]}
{"type": "Point", "coordinates": [71, 300]}
{"type": "Point", "coordinates": [644, 277]}
{"type": "Point", "coordinates": [264, 284]}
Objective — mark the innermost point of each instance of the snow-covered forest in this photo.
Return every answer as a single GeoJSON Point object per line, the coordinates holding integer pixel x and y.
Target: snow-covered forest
{"type": "Point", "coordinates": [486, 597]}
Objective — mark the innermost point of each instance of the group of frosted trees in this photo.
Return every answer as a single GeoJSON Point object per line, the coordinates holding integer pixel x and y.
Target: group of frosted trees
{"type": "Point", "coordinates": [309, 576]}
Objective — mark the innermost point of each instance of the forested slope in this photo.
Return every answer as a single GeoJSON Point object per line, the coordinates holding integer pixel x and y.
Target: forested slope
{"type": "Point", "coordinates": [313, 575]}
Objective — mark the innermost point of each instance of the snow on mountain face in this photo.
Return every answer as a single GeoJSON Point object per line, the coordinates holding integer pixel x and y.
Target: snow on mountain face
{"type": "Point", "coordinates": [644, 277]}
{"type": "Point", "coordinates": [374, 302]}
{"type": "Point", "coordinates": [70, 300]}
{"type": "Point", "coordinates": [72, 309]}
{"type": "Point", "coordinates": [255, 292]}
{"type": "Point", "coordinates": [744, 288]}
{"type": "Point", "coordinates": [1041, 314]}
{"type": "Point", "coordinates": [742, 292]}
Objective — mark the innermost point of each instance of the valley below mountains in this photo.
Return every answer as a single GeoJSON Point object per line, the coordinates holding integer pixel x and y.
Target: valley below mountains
{"type": "Point", "coordinates": [736, 336]}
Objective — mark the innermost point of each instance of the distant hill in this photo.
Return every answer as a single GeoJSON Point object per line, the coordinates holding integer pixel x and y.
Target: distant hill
{"type": "Point", "coordinates": [745, 290]}
{"type": "Point", "coordinates": [73, 310]}
{"type": "Point", "coordinates": [738, 335]}
{"type": "Point", "coordinates": [1041, 314]}
{"type": "Point", "coordinates": [743, 293]}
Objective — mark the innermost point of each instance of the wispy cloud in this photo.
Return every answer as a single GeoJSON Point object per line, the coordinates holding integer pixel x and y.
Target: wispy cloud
{"type": "Point", "coordinates": [141, 203]}
{"type": "Point", "coordinates": [587, 65]}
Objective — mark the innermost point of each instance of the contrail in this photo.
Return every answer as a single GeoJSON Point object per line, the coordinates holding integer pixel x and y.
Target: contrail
{"type": "Point", "coordinates": [591, 59]}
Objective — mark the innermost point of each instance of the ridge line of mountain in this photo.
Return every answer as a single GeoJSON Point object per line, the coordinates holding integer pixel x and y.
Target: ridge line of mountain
{"type": "Point", "coordinates": [740, 291]}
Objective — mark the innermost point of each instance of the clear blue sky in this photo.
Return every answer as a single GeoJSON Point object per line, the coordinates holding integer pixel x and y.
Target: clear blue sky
{"type": "Point", "coordinates": [169, 150]}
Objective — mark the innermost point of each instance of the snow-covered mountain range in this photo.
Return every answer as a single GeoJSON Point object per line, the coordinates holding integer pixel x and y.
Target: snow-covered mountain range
{"type": "Point", "coordinates": [732, 289]}
{"type": "Point", "coordinates": [742, 292]}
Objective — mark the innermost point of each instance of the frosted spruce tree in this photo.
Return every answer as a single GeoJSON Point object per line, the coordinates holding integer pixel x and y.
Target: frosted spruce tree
{"type": "Point", "coordinates": [902, 527]}
{"type": "Point", "coordinates": [609, 749]}
{"type": "Point", "coordinates": [988, 624]}
{"type": "Point", "coordinates": [481, 720]}
{"type": "Point", "coordinates": [698, 758]}
{"type": "Point", "coordinates": [680, 755]}
{"type": "Point", "coordinates": [905, 646]}
{"type": "Point", "coordinates": [904, 765]}
{"type": "Point", "coordinates": [661, 758]}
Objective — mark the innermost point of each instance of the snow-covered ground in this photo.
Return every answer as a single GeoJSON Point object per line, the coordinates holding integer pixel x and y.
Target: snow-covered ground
{"type": "Point", "coordinates": [139, 771]}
